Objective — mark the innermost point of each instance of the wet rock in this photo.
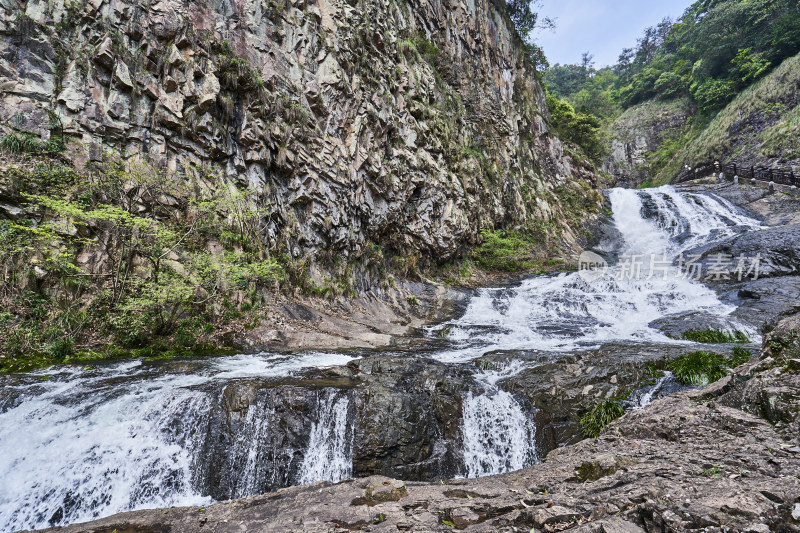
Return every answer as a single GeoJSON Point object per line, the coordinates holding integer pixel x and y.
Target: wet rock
{"type": "Point", "coordinates": [561, 387]}
{"type": "Point", "coordinates": [409, 418]}
{"type": "Point", "coordinates": [676, 326]}
{"type": "Point", "coordinates": [776, 248]}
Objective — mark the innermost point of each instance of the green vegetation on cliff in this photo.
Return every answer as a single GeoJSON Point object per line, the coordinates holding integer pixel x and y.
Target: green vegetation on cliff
{"type": "Point", "coordinates": [127, 255]}
{"type": "Point", "coordinates": [720, 52]}
{"type": "Point", "coordinates": [717, 49]}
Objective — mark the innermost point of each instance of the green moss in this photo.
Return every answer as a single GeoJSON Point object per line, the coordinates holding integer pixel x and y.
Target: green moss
{"type": "Point", "coordinates": [601, 415]}
{"type": "Point", "coordinates": [715, 336]}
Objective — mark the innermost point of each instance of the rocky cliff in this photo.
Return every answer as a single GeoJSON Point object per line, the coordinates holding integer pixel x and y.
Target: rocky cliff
{"type": "Point", "coordinates": [638, 133]}
{"type": "Point", "coordinates": [410, 124]}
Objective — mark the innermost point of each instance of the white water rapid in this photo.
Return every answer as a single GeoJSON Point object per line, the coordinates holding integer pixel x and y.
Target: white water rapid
{"type": "Point", "coordinates": [329, 456]}
{"type": "Point", "coordinates": [83, 444]}
{"type": "Point", "coordinates": [78, 444]}
{"type": "Point", "coordinates": [566, 312]}
{"type": "Point", "coordinates": [499, 436]}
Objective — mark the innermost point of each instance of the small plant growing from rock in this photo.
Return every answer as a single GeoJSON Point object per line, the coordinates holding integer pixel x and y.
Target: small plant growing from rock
{"type": "Point", "coordinates": [715, 336]}
{"type": "Point", "coordinates": [699, 368]}
{"type": "Point", "coordinates": [601, 415]}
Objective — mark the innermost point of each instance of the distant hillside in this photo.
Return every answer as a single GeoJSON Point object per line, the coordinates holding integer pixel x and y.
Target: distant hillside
{"type": "Point", "coordinates": [761, 127]}
{"type": "Point", "coordinates": [675, 86]}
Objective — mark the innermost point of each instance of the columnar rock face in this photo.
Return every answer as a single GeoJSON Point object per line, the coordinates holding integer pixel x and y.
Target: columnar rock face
{"type": "Point", "coordinates": [409, 123]}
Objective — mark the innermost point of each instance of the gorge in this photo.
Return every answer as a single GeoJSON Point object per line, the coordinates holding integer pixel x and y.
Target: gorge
{"type": "Point", "coordinates": [373, 265]}
{"type": "Point", "coordinates": [87, 443]}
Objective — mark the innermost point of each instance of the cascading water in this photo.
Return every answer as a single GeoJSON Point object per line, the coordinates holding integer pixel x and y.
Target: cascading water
{"type": "Point", "coordinates": [88, 443]}
{"type": "Point", "coordinates": [499, 436]}
{"type": "Point", "coordinates": [329, 456]}
{"type": "Point", "coordinates": [566, 312]}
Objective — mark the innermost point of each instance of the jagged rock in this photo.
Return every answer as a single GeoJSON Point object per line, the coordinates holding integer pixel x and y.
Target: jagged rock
{"type": "Point", "coordinates": [105, 53]}
{"type": "Point", "coordinates": [123, 76]}
{"type": "Point", "coordinates": [389, 135]}
{"type": "Point", "coordinates": [637, 133]}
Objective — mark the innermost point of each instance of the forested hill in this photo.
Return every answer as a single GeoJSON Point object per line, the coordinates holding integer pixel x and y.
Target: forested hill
{"type": "Point", "coordinates": [683, 72]}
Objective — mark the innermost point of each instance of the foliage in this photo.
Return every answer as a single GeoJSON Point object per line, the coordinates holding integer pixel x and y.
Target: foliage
{"type": "Point", "coordinates": [579, 128]}
{"type": "Point", "coordinates": [600, 416]}
{"type": "Point", "coordinates": [712, 94]}
{"type": "Point", "coordinates": [26, 143]}
{"type": "Point", "coordinates": [419, 47]}
{"type": "Point", "coordinates": [527, 22]}
{"type": "Point", "coordinates": [715, 336]}
{"type": "Point", "coordinates": [713, 52]}
{"type": "Point", "coordinates": [699, 368]}
{"type": "Point", "coordinates": [740, 356]}
{"type": "Point", "coordinates": [506, 251]}
{"type": "Point", "coordinates": [157, 288]}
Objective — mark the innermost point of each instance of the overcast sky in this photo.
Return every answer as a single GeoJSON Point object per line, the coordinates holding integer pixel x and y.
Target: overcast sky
{"type": "Point", "coordinates": [602, 27]}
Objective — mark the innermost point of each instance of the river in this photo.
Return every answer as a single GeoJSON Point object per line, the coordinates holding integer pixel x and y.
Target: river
{"type": "Point", "coordinates": [77, 444]}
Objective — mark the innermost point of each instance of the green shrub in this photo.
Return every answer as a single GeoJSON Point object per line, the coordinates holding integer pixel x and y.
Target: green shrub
{"type": "Point", "coordinates": [507, 251]}
{"type": "Point", "coordinates": [581, 129]}
{"type": "Point", "coordinates": [699, 368]}
{"type": "Point", "coordinates": [601, 415]}
{"type": "Point", "coordinates": [713, 94]}
{"type": "Point", "coordinates": [27, 143]}
{"type": "Point", "coordinates": [62, 347]}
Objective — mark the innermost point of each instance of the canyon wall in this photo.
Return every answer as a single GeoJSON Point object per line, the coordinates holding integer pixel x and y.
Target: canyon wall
{"type": "Point", "coordinates": [412, 124]}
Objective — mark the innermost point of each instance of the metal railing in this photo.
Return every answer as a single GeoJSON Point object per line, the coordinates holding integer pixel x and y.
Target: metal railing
{"type": "Point", "coordinates": [704, 170]}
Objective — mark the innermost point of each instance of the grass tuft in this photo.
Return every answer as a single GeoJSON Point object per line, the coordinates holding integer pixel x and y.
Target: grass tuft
{"type": "Point", "coordinates": [601, 415]}
{"type": "Point", "coordinates": [699, 368]}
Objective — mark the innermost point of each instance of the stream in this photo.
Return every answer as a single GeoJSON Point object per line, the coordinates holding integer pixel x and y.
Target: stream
{"type": "Point", "coordinates": [79, 444]}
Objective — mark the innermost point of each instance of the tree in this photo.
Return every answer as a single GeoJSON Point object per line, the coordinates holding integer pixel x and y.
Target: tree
{"type": "Point", "coordinates": [624, 65]}
{"type": "Point", "coordinates": [587, 64]}
{"type": "Point", "coordinates": [525, 19]}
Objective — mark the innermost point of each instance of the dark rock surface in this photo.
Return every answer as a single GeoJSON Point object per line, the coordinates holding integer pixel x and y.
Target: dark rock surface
{"type": "Point", "coordinates": [677, 325]}
{"type": "Point", "coordinates": [777, 248]}
{"type": "Point", "coordinates": [405, 415]}
{"type": "Point", "coordinates": [561, 387]}
{"type": "Point", "coordinates": [408, 418]}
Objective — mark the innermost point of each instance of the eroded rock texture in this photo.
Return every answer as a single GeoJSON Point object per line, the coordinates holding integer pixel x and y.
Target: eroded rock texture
{"type": "Point", "coordinates": [411, 124]}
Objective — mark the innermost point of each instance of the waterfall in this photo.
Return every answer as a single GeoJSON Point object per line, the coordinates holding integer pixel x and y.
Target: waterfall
{"type": "Point", "coordinates": [77, 444]}
{"type": "Point", "coordinates": [95, 451]}
{"type": "Point", "coordinates": [329, 456]}
{"type": "Point", "coordinates": [498, 436]}
{"type": "Point", "coordinates": [564, 312]}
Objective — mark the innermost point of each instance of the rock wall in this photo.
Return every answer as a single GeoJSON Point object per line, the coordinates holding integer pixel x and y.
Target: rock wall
{"type": "Point", "coordinates": [410, 123]}
{"type": "Point", "coordinates": [639, 132]}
